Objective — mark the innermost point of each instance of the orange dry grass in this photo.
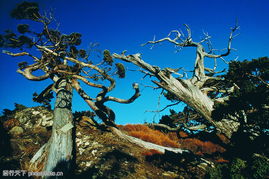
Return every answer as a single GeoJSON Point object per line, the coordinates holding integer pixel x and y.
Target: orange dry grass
{"type": "Point", "coordinates": [201, 147]}
{"type": "Point", "coordinates": [137, 127]}
{"type": "Point", "coordinates": [183, 134]}
{"type": "Point", "coordinates": [154, 136]}
{"type": "Point", "coordinates": [173, 136]}
{"type": "Point", "coordinates": [222, 160]}
{"type": "Point", "coordinates": [151, 152]}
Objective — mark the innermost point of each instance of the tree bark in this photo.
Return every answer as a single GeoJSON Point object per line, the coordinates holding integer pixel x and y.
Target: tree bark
{"type": "Point", "coordinates": [190, 94]}
{"type": "Point", "coordinates": [57, 153]}
{"type": "Point", "coordinates": [61, 142]}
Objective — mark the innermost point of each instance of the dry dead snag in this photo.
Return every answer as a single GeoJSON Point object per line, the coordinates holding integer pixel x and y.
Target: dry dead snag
{"type": "Point", "coordinates": [55, 56]}
{"type": "Point", "coordinates": [199, 92]}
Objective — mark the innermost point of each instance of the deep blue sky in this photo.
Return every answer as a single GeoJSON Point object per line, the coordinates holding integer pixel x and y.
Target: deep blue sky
{"type": "Point", "coordinates": [120, 25]}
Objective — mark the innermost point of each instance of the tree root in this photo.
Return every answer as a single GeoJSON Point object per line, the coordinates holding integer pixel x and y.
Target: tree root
{"type": "Point", "coordinates": [37, 163]}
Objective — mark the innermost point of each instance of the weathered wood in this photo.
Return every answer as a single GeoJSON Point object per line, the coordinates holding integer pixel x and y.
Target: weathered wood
{"type": "Point", "coordinates": [187, 90]}
{"type": "Point", "coordinates": [61, 142]}
{"type": "Point", "coordinates": [37, 162]}
{"type": "Point", "coordinates": [184, 90]}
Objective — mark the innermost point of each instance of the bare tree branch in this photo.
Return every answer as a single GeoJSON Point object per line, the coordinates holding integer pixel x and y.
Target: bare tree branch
{"type": "Point", "coordinates": [103, 112]}
{"type": "Point", "coordinates": [20, 54]}
{"type": "Point", "coordinates": [84, 95]}
{"type": "Point", "coordinates": [170, 105]}
{"type": "Point", "coordinates": [136, 59]}
{"type": "Point", "coordinates": [126, 101]}
{"type": "Point", "coordinates": [28, 70]}
{"type": "Point", "coordinates": [27, 73]}
{"type": "Point", "coordinates": [177, 129]}
{"type": "Point", "coordinates": [199, 75]}
{"type": "Point", "coordinates": [186, 90]}
{"type": "Point", "coordinates": [231, 37]}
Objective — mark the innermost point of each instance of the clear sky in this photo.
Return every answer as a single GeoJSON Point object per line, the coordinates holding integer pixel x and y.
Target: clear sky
{"type": "Point", "coordinates": [120, 25]}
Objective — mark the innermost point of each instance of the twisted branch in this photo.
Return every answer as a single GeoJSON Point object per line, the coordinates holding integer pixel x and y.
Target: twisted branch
{"type": "Point", "coordinates": [229, 45]}
{"type": "Point", "coordinates": [28, 71]}
{"type": "Point", "coordinates": [199, 76]}
{"type": "Point", "coordinates": [126, 101]}
{"type": "Point", "coordinates": [103, 112]}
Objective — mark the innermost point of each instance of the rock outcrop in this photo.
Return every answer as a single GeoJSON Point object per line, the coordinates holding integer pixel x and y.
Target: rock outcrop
{"type": "Point", "coordinates": [33, 117]}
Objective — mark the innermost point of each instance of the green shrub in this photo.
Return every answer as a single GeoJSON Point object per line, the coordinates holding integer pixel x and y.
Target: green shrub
{"type": "Point", "coordinates": [256, 168]}
{"type": "Point", "coordinates": [214, 173]}
{"type": "Point", "coordinates": [235, 170]}
{"type": "Point", "coordinates": [218, 172]}
{"type": "Point", "coordinates": [260, 167]}
{"type": "Point", "coordinates": [237, 167]}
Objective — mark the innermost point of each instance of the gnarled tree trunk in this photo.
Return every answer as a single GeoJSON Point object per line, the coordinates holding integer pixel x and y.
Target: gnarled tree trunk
{"type": "Point", "coordinates": [192, 91]}
{"type": "Point", "coordinates": [196, 99]}
{"type": "Point", "coordinates": [57, 154]}
{"type": "Point", "coordinates": [61, 142]}
{"type": "Point", "coordinates": [187, 90]}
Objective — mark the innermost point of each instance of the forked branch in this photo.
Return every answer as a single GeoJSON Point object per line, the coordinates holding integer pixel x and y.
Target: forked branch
{"type": "Point", "coordinates": [102, 111]}
{"type": "Point", "coordinates": [199, 75]}
{"type": "Point", "coordinates": [126, 101]}
{"type": "Point", "coordinates": [27, 72]}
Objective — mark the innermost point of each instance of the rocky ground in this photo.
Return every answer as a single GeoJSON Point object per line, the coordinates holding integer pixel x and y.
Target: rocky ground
{"type": "Point", "coordinates": [99, 153]}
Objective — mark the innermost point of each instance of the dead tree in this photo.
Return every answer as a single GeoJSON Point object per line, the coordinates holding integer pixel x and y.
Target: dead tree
{"type": "Point", "coordinates": [197, 91]}
{"type": "Point", "coordinates": [54, 56]}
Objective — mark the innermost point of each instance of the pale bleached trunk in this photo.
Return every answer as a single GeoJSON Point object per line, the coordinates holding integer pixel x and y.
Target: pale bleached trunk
{"type": "Point", "coordinates": [60, 145]}
{"type": "Point", "coordinates": [187, 90]}
{"type": "Point", "coordinates": [190, 94]}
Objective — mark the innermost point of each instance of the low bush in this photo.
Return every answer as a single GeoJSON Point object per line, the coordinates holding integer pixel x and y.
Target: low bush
{"type": "Point", "coordinates": [260, 167]}
{"type": "Point", "coordinates": [214, 173]}
{"type": "Point", "coordinates": [237, 168]}
{"type": "Point", "coordinates": [147, 134]}
{"type": "Point", "coordinates": [137, 127]}
{"type": "Point", "coordinates": [173, 136]}
{"type": "Point", "coordinates": [200, 147]}
{"type": "Point", "coordinates": [183, 134]}
{"type": "Point", "coordinates": [256, 167]}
